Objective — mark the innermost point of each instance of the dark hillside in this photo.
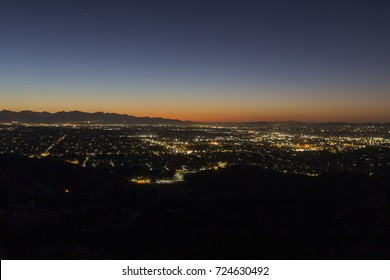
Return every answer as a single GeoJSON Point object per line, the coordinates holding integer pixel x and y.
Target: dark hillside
{"type": "Point", "coordinates": [53, 210]}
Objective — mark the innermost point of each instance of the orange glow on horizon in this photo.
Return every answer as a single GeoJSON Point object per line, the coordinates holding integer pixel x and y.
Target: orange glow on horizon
{"type": "Point", "coordinates": [226, 116]}
{"type": "Point", "coordinates": [217, 107]}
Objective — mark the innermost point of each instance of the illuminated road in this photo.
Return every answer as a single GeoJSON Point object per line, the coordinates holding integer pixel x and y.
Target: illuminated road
{"type": "Point", "coordinates": [47, 151]}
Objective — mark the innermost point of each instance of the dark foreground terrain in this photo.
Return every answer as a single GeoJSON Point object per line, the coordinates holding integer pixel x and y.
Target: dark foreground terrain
{"type": "Point", "coordinates": [54, 210]}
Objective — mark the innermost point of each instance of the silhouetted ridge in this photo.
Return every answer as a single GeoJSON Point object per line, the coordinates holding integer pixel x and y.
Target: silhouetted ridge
{"type": "Point", "coordinates": [80, 117]}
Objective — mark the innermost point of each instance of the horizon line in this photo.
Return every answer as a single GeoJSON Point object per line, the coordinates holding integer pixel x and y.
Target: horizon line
{"type": "Point", "coordinates": [204, 122]}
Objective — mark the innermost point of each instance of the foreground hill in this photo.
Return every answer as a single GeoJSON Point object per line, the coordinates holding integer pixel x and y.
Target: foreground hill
{"type": "Point", "coordinates": [52, 210]}
{"type": "Point", "coordinates": [80, 117]}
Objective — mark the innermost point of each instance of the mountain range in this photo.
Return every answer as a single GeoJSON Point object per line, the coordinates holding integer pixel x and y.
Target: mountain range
{"type": "Point", "coordinates": [77, 117]}
{"type": "Point", "coordinates": [80, 117]}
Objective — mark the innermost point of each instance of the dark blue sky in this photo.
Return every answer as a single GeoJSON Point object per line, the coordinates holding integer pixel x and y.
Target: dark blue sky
{"type": "Point", "coordinates": [211, 60]}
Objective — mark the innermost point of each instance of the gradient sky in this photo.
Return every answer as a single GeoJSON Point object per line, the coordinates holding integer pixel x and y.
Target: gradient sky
{"type": "Point", "coordinates": [212, 60]}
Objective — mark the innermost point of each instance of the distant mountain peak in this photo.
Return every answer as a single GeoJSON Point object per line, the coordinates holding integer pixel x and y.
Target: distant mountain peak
{"type": "Point", "coordinates": [27, 116]}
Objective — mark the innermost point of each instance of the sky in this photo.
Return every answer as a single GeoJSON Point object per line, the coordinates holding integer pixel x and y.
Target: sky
{"type": "Point", "coordinates": [230, 60]}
